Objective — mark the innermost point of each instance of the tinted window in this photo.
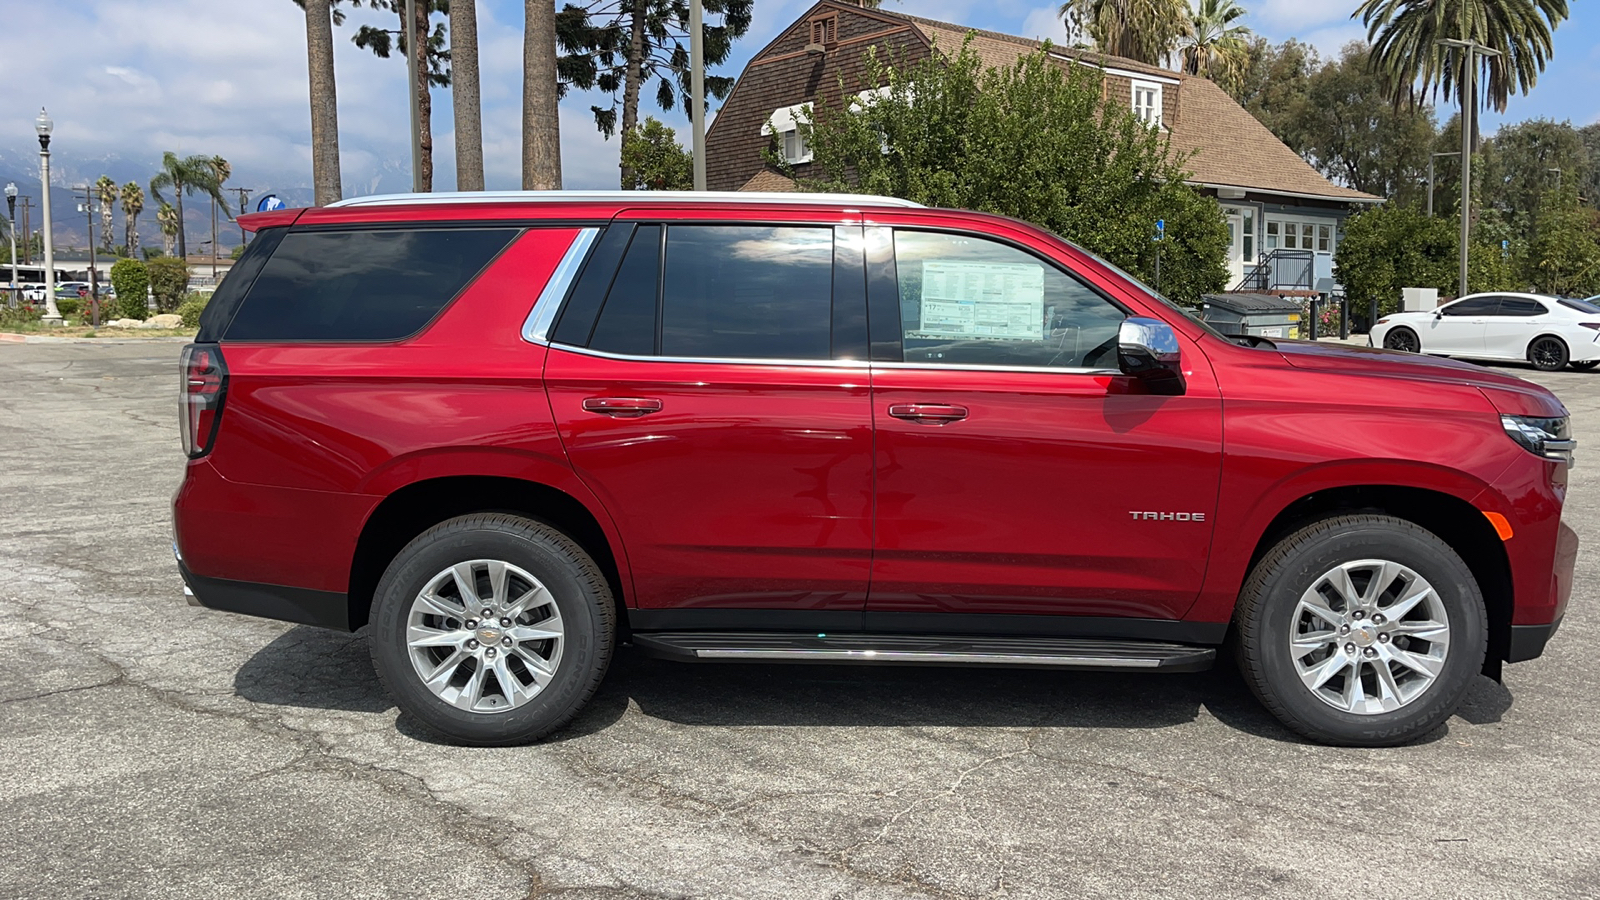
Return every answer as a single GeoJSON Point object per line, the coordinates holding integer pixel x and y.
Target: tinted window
{"type": "Point", "coordinates": [628, 319]}
{"type": "Point", "coordinates": [968, 300]}
{"type": "Point", "coordinates": [225, 301]}
{"type": "Point", "coordinates": [750, 292]}
{"type": "Point", "coordinates": [361, 285]}
{"type": "Point", "coordinates": [1583, 306]}
{"type": "Point", "coordinates": [1472, 306]}
{"type": "Point", "coordinates": [577, 318]}
{"type": "Point", "coordinates": [1521, 306]}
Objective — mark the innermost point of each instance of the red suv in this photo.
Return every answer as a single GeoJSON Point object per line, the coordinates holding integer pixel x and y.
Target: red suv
{"type": "Point", "coordinates": [511, 431]}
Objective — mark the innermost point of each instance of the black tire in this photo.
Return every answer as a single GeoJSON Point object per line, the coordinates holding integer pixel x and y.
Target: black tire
{"type": "Point", "coordinates": [1265, 620]}
{"type": "Point", "coordinates": [1548, 353]}
{"type": "Point", "coordinates": [1402, 338]}
{"type": "Point", "coordinates": [579, 591]}
{"type": "Point", "coordinates": [1584, 365]}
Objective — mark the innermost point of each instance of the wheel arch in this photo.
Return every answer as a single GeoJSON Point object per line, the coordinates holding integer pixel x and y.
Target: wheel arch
{"type": "Point", "coordinates": [1455, 521]}
{"type": "Point", "coordinates": [1527, 351]}
{"type": "Point", "coordinates": [415, 507]}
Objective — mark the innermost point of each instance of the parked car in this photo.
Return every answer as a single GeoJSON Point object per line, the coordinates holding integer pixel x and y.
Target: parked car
{"type": "Point", "coordinates": [510, 432]}
{"type": "Point", "coordinates": [1550, 332]}
{"type": "Point", "coordinates": [72, 289]}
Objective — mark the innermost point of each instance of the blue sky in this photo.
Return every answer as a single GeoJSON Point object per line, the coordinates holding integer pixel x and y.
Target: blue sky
{"type": "Point", "coordinates": [125, 81]}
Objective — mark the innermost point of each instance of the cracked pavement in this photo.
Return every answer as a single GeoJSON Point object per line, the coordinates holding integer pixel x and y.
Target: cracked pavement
{"type": "Point", "coordinates": [148, 749]}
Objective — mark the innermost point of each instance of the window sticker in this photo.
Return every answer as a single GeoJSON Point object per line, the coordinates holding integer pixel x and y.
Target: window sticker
{"type": "Point", "coordinates": [981, 301]}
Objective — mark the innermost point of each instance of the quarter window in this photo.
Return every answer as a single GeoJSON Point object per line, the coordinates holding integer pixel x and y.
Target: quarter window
{"type": "Point", "coordinates": [627, 323]}
{"type": "Point", "coordinates": [968, 300]}
{"type": "Point", "coordinates": [747, 292]}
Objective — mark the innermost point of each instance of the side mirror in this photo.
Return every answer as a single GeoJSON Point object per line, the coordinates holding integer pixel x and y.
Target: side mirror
{"type": "Point", "coordinates": [1147, 350]}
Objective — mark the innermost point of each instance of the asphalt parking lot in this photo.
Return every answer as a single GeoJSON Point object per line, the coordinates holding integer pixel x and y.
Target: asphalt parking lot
{"type": "Point", "coordinates": [148, 749]}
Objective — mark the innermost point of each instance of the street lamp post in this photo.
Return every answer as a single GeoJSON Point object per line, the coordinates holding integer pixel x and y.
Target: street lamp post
{"type": "Point", "coordinates": [1469, 112]}
{"type": "Point", "coordinates": [697, 91]}
{"type": "Point", "coordinates": [43, 125]}
{"type": "Point", "coordinates": [1431, 158]}
{"type": "Point", "coordinates": [11, 214]}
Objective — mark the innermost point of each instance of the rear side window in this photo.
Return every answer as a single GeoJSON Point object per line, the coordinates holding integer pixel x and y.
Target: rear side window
{"type": "Point", "coordinates": [362, 285]}
{"type": "Point", "coordinates": [1521, 306]}
{"type": "Point", "coordinates": [747, 292]}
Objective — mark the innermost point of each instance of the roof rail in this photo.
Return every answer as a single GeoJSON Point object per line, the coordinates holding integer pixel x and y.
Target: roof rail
{"type": "Point", "coordinates": [639, 197]}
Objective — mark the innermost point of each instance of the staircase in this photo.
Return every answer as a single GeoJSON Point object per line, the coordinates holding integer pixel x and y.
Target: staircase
{"type": "Point", "coordinates": [1281, 272]}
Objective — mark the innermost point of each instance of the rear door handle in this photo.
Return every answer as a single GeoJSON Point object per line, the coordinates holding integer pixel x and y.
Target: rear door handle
{"type": "Point", "coordinates": [928, 413]}
{"type": "Point", "coordinates": [622, 407]}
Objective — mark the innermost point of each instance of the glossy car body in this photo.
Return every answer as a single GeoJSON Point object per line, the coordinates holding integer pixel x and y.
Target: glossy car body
{"type": "Point", "coordinates": [801, 495]}
{"type": "Point", "coordinates": [1500, 325]}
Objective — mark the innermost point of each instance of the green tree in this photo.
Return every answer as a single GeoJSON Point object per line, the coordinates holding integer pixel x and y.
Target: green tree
{"type": "Point", "coordinates": [1036, 141]}
{"type": "Point", "coordinates": [1564, 255]}
{"type": "Point", "coordinates": [131, 280]}
{"type": "Point", "coordinates": [623, 47]}
{"type": "Point", "coordinates": [433, 69]}
{"type": "Point", "coordinates": [169, 281]}
{"type": "Point", "coordinates": [1390, 247]}
{"type": "Point", "coordinates": [105, 191]}
{"type": "Point", "coordinates": [1524, 162]}
{"type": "Point", "coordinates": [132, 206]}
{"type": "Point", "coordinates": [185, 175]}
{"type": "Point", "coordinates": [1405, 36]}
{"type": "Point", "coordinates": [1214, 46]}
{"type": "Point", "coordinates": [1272, 83]}
{"type": "Point", "coordinates": [656, 160]}
{"type": "Point", "coordinates": [1589, 187]}
{"type": "Point", "coordinates": [1348, 129]}
{"type": "Point", "coordinates": [1143, 30]}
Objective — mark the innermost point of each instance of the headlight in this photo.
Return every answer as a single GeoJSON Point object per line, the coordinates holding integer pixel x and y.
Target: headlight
{"type": "Point", "coordinates": [1546, 437]}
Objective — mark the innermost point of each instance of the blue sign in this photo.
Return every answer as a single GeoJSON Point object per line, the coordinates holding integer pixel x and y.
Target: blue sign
{"type": "Point", "coordinates": [1161, 229]}
{"type": "Point", "coordinates": [1505, 249]}
{"type": "Point", "coordinates": [269, 203]}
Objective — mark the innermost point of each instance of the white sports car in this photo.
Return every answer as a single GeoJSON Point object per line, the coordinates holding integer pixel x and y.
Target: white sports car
{"type": "Point", "coordinates": [1549, 332]}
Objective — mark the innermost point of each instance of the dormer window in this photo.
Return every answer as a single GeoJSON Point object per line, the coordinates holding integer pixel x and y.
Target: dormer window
{"type": "Point", "coordinates": [1147, 102]}
{"type": "Point", "coordinates": [785, 123]}
{"type": "Point", "coordinates": [825, 30]}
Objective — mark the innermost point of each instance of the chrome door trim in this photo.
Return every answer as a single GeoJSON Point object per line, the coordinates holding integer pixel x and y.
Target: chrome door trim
{"type": "Point", "coordinates": [536, 329]}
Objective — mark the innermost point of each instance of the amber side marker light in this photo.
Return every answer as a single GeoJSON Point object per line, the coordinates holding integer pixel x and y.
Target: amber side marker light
{"type": "Point", "coordinates": [1502, 527]}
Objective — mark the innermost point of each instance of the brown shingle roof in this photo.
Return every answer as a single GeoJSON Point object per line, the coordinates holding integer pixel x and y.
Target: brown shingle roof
{"type": "Point", "coordinates": [767, 180]}
{"type": "Point", "coordinates": [1230, 146]}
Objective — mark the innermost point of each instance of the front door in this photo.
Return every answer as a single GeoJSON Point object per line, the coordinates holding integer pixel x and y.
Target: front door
{"type": "Point", "coordinates": [699, 397]}
{"type": "Point", "coordinates": [1241, 241]}
{"type": "Point", "coordinates": [1017, 473]}
{"type": "Point", "coordinates": [1458, 327]}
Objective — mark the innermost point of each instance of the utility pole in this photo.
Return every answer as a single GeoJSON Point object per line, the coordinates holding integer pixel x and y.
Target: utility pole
{"type": "Point", "coordinates": [1469, 99]}
{"type": "Point", "coordinates": [1431, 158]}
{"type": "Point", "coordinates": [697, 90]}
{"type": "Point", "coordinates": [27, 230]}
{"type": "Point", "coordinates": [244, 199]}
{"type": "Point", "coordinates": [410, 37]}
{"type": "Point", "coordinates": [11, 214]}
{"type": "Point", "coordinates": [94, 282]}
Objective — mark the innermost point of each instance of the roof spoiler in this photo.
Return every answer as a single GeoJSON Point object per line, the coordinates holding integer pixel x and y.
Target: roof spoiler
{"type": "Point", "coordinates": [276, 218]}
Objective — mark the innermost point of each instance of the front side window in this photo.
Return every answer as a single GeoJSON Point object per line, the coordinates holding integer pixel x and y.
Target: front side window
{"type": "Point", "coordinates": [1472, 306]}
{"type": "Point", "coordinates": [972, 301]}
{"type": "Point", "coordinates": [379, 285]}
{"type": "Point", "coordinates": [747, 292]}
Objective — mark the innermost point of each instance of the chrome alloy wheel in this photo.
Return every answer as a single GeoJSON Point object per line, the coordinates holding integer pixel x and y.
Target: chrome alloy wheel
{"type": "Point", "coordinates": [485, 636]}
{"type": "Point", "coordinates": [1369, 636]}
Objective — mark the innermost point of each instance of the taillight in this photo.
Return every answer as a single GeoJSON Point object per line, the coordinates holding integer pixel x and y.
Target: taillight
{"type": "Point", "coordinates": [1593, 325]}
{"type": "Point", "coordinates": [200, 395]}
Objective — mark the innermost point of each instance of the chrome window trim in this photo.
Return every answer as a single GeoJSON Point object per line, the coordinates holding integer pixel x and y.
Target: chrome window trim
{"type": "Point", "coordinates": [979, 367]}
{"type": "Point", "coordinates": [834, 363]}
{"type": "Point", "coordinates": [536, 328]}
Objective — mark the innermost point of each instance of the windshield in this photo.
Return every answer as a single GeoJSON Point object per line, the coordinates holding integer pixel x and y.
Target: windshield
{"type": "Point", "coordinates": [1191, 315]}
{"type": "Point", "coordinates": [1584, 306]}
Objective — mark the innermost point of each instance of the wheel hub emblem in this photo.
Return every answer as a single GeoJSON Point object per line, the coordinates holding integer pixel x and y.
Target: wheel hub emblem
{"type": "Point", "coordinates": [1364, 635]}
{"type": "Point", "coordinates": [489, 635]}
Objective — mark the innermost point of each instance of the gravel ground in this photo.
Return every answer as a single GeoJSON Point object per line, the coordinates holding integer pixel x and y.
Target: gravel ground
{"type": "Point", "coordinates": [148, 749]}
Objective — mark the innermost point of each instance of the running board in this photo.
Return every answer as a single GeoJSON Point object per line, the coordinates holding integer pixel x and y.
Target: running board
{"type": "Point", "coordinates": [946, 650]}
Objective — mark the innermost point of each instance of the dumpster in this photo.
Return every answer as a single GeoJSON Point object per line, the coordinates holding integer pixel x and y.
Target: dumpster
{"type": "Point", "coordinates": [1260, 315]}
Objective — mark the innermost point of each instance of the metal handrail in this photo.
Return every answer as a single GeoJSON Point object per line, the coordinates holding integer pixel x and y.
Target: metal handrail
{"type": "Point", "coordinates": [1280, 269]}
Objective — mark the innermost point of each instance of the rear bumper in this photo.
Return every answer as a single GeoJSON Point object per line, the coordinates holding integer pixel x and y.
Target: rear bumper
{"type": "Point", "coordinates": [1527, 641]}
{"type": "Point", "coordinates": [324, 609]}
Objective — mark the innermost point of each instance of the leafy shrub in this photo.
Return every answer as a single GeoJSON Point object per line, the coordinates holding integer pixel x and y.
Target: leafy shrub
{"type": "Point", "coordinates": [12, 317]}
{"type": "Point", "coordinates": [169, 280]}
{"type": "Point", "coordinates": [191, 309]}
{"type": "Point", "coordinates": [132, 281]}
{"type": "Point", "coordinates": [68, 306]}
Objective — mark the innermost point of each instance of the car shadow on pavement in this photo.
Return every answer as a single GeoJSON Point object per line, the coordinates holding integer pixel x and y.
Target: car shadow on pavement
{"type": "Point", "coordinates": [318, 669]}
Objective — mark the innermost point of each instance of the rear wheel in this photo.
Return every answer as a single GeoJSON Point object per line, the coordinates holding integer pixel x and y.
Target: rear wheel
{"type": "Point", "coordinates": [1548, 354]}
{"type": "Point", "coordinates": [1402, 338]}
{"type": "Point", "coordinates": [1584, 365]}
{"type": "Point", "coordinates": [492, 629]}
{"type": "Point", "coordinates": [1361, 630]}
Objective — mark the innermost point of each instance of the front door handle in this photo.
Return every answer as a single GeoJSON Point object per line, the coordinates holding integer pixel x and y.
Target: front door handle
{"type": "Point", "coordinates": [928, 413]}
{"type": "Point", "coordinates": [622, 407]}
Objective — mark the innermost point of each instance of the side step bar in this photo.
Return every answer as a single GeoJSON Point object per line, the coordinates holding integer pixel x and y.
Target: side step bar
{"type": "Point", "coordinates": [946, 650]}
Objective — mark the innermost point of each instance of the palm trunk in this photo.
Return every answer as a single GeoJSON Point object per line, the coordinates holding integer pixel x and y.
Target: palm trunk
{"type": "Point", "coordinates": [419, 28]}
{"type": "Point", "coordinates": [324, 105]}
{"type": "Point", "coordinates": [183, 247]}
{"type": "Point", "coordinates": [633, 78]}
{"type": "Point", "coordinates": [131, 234]}
{"type": "Point", "coordinates": [541, 122]}
{"type": "Point", "coordinates": [464, 95]}
{"type": "Point", "coordinates": [106, 226]}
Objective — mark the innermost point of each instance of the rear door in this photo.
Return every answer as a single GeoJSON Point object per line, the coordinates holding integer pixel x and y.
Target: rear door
{"type": "Point", "coordinates": [709, 383]}
{"type": "Point", "coordinates": [1458, 327]}
{"type": "Point", "coordinates": [1506, 333]}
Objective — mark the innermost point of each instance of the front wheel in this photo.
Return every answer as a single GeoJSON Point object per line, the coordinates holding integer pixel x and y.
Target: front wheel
{"type": "Point", "coordinates": [1402, 339]}
{"type": "Point", "coordinates": [1361, 630]}
{"type": "Point", "coordinates": [1548, 354]}
{"type": "Point", "coordinates": [492, 629]}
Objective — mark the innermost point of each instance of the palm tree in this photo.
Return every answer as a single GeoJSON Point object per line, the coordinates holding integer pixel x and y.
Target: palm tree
{"type": "Point", "coordinates": [1142, 30]}
{"type": "Point", "coordinates": [105, 190]}
{"type": "Point", "coordinates": [132, 205]}
{"type": "Point", "coordinates": [188, 175]}
{"type": "Point", "coordinates": [464, 95]}
{"type": "Point", "coordinates": [541, 125]}
{"type": "Point", "coordinates": [1214, 46]}
{"type": "Point", "coordinates": [324, 102]}
{"type": "Point", "coordinates": [220, 170]}
{"type": "Point", "coordinates": [1405, 36]}
{"type": "Point", "coordinates": [170, 221]}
